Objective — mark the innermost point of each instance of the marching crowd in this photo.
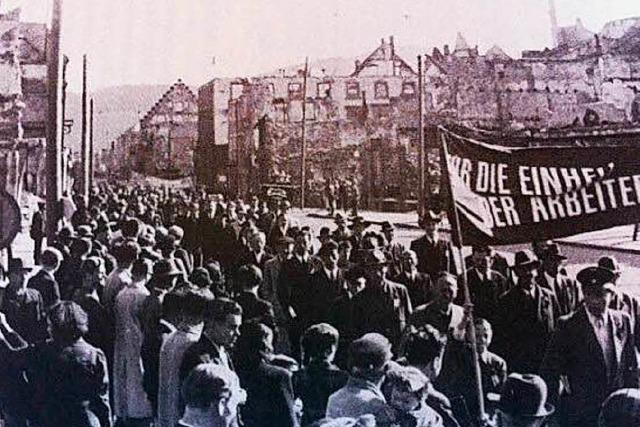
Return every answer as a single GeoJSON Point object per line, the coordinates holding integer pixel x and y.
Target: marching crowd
{"type": "Point", "coordinates": [185, 309]}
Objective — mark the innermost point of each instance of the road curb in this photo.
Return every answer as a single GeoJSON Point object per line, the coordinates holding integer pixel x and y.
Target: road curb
{"type": "Point", "coordinates": [598, 247]}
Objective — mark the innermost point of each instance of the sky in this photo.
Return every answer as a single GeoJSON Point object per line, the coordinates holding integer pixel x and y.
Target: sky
{"type": "Point", "coordinates": [158, 41]}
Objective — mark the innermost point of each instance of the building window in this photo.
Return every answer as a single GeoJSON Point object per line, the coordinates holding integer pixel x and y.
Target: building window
{"type": "Point", "coordinates": [324, 90]}
{"type": "Point", "coordinates": [310, 113]}
{"type": "Point", "coordinates": [353, 90]}
{"type": "Point", "coordinates": [381, 90]}
{"type": "Point", "coordinates": [408, 88]}
{"type": "Point", "coordinates": [295, 90]}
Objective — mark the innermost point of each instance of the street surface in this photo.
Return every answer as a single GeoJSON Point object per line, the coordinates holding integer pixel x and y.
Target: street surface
{"type": "Point", "coordinates": [581, 250]}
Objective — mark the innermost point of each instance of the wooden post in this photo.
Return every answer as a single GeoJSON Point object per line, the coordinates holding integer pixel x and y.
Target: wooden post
{"type": "Point", "coordinates": [54, 122]}
{"type": "Point", "coordinates": [84, 167]}
{"type": "Point", "coordinates": [421, 148]}
{"type": "Point", "coordinates": [303, 157]}
{"type": "Point", "coordinates": [471, 328]}
{"type": "Point", "coordinates": [63, 161]}
{"type": "Point", "coordinates": [91, 143]}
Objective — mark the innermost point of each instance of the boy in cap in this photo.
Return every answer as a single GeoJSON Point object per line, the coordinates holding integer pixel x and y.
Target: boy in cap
{"type": "Point", "coordinates": [594, 348]}
{"type": "Point", "coordinates": [368, 358]}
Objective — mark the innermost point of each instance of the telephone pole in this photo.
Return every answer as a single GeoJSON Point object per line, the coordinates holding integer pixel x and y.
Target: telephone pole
{"type": "Point", "coordinates": [54, 122]}
{"type": "Point", "coordinates": [421, 149]}
{"type": "Point", "coordinates": [84, 167]}
{"type": "Point", "coordinates": [303, 157]}
{"type": "Point", "coordinates": [91, 143]}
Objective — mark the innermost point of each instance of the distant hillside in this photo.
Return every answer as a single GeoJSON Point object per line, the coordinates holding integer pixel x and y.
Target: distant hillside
{"type": "Point", "coordinates": [115, 110]}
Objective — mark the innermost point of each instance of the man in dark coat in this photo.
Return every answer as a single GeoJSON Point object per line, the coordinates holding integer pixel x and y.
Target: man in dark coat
{"type": "Point", "coordinates": [555, 278]}
{"type": "Point", "coordinates": [327, 284]}
{"type": "Point", "coordinates": [393, 249]}
{"type": "Point", "coordinates": [593, 349]}
{"type": "Point", "coordinates": [441, 313]}
{"type": "Point", "coordinates": [383, 306]}
{"type": "Point", "coordinates": [526, 318]}
{"type": "Point", "coordinates": [44, 280]}
{"type": "Point", "coordinates": [37, 232]}
{"type": "Point", "coordinates": [434, 255]}
{"type": "Point", "coordinates": [418, 284]}
{"type": "Point", "coordinates": [485, 284]}
{"type": "Point", "coordinates": [293, 287]}
{"type": "Point", "coordinates": [249, 279]}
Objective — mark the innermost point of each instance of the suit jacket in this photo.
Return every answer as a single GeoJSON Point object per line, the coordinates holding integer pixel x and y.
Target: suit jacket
{"type": "Point", "coordinates": [323, 291]}
{"type": "Point", "coordinates": [255, 308]}
{"type": "Point", "coordinates": [250, 258]}
{"type": "Point", "coordinates": [567, 291]}
{"type": "Point", "coordinates": [419, 287]}
{"type": "Point", "coordinates": [485, 293]}
{"type": "Point", "coordinates": [431, 315]}
{"type": "Point", "coordinates": [575, 352]}
{"type": "Point", "coordinates": [434, 257]}
{"type": "Point", "coordinates": [44, 283]}
{"type": "Point", "coordinates": [384, 308]}
{"type": "Point", "coordinates": [524, 327]}
{"type": "Point", "coordinates": [293, 287]}
{"type": "Point", "coordinates": [269, 396]}
{"type": "Point", "coordinates": [631, 305]}
{"type": "Point", "coordinates": [203, 351]}
{"type": "Point", "coordinates": [37, 226]}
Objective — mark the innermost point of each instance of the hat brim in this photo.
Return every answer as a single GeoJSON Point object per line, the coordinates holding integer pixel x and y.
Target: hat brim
{"type": "Point", "coordinates": [529, 265]}
{"type": "Point", "coordinates": [557, 256]}
{"type": "Point", "coordinates": [547, 410]}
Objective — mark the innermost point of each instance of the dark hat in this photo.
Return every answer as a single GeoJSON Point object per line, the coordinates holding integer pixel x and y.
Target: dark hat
{"type": "Point", "coordinates": [525, 395]}
{"type": "Point", "coordinates": [553, 251]}
{"type": "Point", "coordinates": [621, 408]}
{"type": "Point", "coordinates": [596, 277]}
{"type": "Point", "coordinates": [66, 233]}
{"type": "Point", "coordinates": [165, 268]}
{"type": "Point", "coordinates": [525, 260]}
{"type": "Point", "coordinates": [285, 240]}
{"type": "Point", "coordinates": [358, 220]}
{"type": "Point", "coordinates": [374, 258]}
{"type": "Point", "coordinates": [610, 263]}
{"type": "Point", "coordinates": [339, 219]}
{"type": "Point", "coordinates": [324, 232]}
{"type": "Point", "coordinates": [481, 248]}
{"type": "Point", "coordinates": [386, 225]}
{"type": "Point", "coordinates": [430, 216]}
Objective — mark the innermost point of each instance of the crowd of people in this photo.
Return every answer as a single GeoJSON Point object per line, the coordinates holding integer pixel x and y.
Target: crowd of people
{"type": "Point", "coordinates": [181, 308]}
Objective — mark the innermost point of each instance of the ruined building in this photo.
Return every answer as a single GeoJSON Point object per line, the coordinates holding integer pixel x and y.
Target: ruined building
{"type": "Point", "coordinates": [23, 104]}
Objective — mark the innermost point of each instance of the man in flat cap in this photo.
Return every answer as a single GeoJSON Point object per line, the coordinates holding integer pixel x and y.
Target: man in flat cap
{"type": "Point", "coordinates": [593, 349]}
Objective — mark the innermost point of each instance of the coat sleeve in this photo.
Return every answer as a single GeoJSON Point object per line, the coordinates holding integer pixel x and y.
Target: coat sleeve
{"type": "Point", "coordinates": [284, 401]}
{"type": "Point", "coordinates": [554, 364]}
{"type": "Point", "coordinates": [629, 359]}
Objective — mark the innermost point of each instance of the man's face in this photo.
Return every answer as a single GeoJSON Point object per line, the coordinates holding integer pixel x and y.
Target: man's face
{"type": "Point", "coordinates": [431, 228]}
{"type": "Point", "coordinates": [481, 259]}
{"type": "Point", "coordinates": [100, 276]}
{"type": "Point", "coordinates": [552, 264]}
{"type": "Point", "coordinates": [409, 261]}
{"type": "Point", "coordinates": [226, 332]}
{"type": "Point", "coordinates": [447, 291]}
{"type": "Point", "coordinates": [526, 276]}
{"type": "Point", "coordinates": [483, 337]}
{"type": "Point", "coordinates": [257, 243]}
{"type": "Point", "coordinates": [357, 285]}
{"type": "Point", "coordinates": [597, 300]}
{"type": "Point", "coordinates": [345, 253]}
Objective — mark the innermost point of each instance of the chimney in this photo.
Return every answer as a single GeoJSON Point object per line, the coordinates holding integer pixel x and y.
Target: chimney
{"type": "Point", "coordinates": [393, 48]}
{"type": "Point", "coordinates": [446, 50]}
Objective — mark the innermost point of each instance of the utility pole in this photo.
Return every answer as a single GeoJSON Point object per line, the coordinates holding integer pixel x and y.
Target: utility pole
{"type": "Point", "coordinates": [63, 160]}
{"type": "Point", "coordinates": [421, 148]}
{"type": "Point", "coordinates": [303, 159]}
{"type": "Point", "coordinates": [54, 122]}
{"type": "Point", "coordinates": [91, 143]}
{"type": "Point", "coordinates": [84, 169]}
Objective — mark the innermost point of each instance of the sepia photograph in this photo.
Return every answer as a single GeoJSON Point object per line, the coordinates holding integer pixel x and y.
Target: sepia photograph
{"type": "Point", "coordinates": [333, 213]}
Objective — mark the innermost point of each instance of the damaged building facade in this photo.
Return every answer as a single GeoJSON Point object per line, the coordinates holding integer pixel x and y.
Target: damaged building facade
{"type": "Point", "coordinates": [365, 124]}
{"type": "Point", "coordinates": [361, 125]}
{"type": "Point", "coordinates": [23, 104]}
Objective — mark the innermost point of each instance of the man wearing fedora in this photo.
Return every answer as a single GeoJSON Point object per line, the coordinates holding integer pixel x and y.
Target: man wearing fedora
{"type": "Point", "coordinates": [593, 349]}
{"type": "Point", "coordinates": [392, 249]}
{"type": "Point", "coordinates": [555, 278]}
{"type": "Point", "coordinates": [523, 402]}
{"type": "Point", "coordinates": [342, 232]}
{"type": "Point", "coordinates": [622, 300]}
{"type": "Point", "coordinates": [383, 306]}
{"type": "Point", "coordinates": [434, 254]}
{"type": "Point", "coordinates": [526, 317]}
